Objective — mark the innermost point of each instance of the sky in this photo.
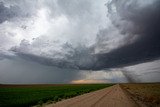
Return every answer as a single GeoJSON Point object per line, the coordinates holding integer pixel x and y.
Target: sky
{"type": "Point", "coordinates": [79, 41]}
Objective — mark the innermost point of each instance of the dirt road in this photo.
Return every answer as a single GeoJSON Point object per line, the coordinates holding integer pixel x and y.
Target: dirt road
{"type": "Point", "coordinates": [113, 96]}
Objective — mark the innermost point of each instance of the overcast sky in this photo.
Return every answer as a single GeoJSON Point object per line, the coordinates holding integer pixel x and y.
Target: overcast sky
{"type": "Point", "coordinates": [79, 41]}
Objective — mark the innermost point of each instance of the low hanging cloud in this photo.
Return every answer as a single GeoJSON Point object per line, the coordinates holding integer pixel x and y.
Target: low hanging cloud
{"type": "Point", "coordinates": [145, 24]}
{"type": "Point", "coordinates": [144, 72]}
{"type": "Point", "coordinates": [67, 39]}
{"type": "Point", "coordinates": [20, 71]}
{"type": "Point", "coordinates": [82, 34]}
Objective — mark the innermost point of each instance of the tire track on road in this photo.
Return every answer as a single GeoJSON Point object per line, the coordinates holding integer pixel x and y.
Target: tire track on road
{"type": "Point", "coordinates": [101, 98]}
{"type": "Point", "coordinates": [113, 96]}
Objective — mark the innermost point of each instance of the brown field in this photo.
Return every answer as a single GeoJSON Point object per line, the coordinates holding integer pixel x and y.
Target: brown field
{"type": "Point", "coordinates": [147, 93]}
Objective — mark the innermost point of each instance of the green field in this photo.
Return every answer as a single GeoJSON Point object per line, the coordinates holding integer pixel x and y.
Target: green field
{"type": "Point", "coordinates": [28, 95]}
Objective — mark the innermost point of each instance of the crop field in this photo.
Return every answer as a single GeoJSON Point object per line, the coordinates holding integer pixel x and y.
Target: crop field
{"type": "Point", "coordinates": [148, 93]}
{"type": "Point", "coordinates": [29, 95]}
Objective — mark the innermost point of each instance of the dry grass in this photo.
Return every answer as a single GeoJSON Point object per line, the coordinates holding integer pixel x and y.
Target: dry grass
{"type": "Point", "coordinates": [148, 93]}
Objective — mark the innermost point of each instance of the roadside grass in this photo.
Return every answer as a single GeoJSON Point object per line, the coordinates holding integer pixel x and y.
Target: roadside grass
{"type": "Point", "coordinates": [149, 93]}
{"type": "Point", "coordinates": [29, 95]}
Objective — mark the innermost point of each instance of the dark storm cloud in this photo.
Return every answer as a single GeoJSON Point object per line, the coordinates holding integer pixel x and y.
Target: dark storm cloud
{"type": "Point", "coordinates": [76, 58]}
{"type": "Point", "coordinates": [136, 22]}
{"type": "Point", "coordinates": [8, 13]}
{"type": "Point", "coordinates": [25, 72]}
{"type": "Point", "coordinates": [147, 29]}
{"type": "Point", "coordinates": [6, 54]}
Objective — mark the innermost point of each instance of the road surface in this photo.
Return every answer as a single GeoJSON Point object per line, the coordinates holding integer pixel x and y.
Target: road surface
{"type": "Point", "coordinates": [113, 96]}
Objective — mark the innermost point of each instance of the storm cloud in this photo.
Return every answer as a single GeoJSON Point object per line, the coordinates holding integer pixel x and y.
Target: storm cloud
{"type": "Point", "coordinates": [144, 27]}
{"type": "Point", "coordinates": [82, 35]}
{"type": "Point", "coordinates": [137, 39]}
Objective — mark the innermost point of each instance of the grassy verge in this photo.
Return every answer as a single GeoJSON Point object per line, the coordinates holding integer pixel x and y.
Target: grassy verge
{"type": "Point", "coordinates": [28, 95]}
{"type": "Point", "coordinates": [148, 93]}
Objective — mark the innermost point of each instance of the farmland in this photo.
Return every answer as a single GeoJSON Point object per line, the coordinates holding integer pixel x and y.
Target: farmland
{"type": "Point", "coordinates": [120, 95]}
{"type": "Point", "coordinates": [148, 93]}
{"type": "Point", "coordinates": [29, 95]}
